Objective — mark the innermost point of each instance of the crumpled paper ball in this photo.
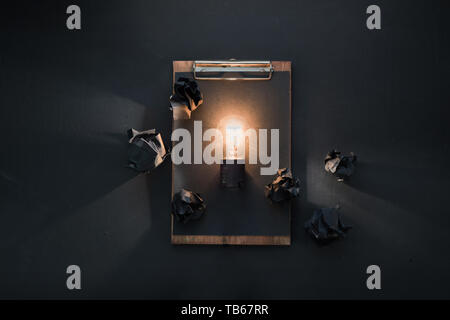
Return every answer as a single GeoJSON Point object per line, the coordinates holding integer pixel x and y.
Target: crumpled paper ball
{"type": "Point", "coordinates": [326, 224]}
{"type": "Point", "coordinates": [187, 205]}
{"type": "Point", "coordinates": [146, 150]}
{"type": "Point", "coordinates": [185, 99]}
{"type": "Point", "coordinates": [283, 187]}
{"type": "Point", "coordinates": [341, 166]}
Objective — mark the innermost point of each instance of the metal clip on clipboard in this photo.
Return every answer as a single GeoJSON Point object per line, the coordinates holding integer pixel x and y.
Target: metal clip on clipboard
{"type": "Point", "coordinates": [232, 70]}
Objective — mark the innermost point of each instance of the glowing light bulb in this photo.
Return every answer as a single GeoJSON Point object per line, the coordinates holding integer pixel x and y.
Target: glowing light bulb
{"type": "Point", "coordinates": [232, 168]}
{"type": "Point", "coordinates": [234, 140]}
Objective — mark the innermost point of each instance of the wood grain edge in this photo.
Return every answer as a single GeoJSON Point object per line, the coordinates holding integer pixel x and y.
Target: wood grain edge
{"type": "Point", "coordinates": [182, 66]}
{"type": "Point", "coordinates": [231, 240]}
{"type": "Point", "coordinates": [281, 65]}
{"type": "Point", "coordinates": [287, 64]}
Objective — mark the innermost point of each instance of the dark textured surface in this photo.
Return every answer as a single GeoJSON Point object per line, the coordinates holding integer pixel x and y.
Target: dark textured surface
{"type": "Point", "coordinates": [263, 105]}
{"type": "Point", "coordinates": [67, 99]}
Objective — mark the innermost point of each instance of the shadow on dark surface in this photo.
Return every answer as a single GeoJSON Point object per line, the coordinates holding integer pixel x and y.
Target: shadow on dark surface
{"type": "Point", "coordinates": [404, 186]}
{"type": "Point", "coordinates": [72, 172]}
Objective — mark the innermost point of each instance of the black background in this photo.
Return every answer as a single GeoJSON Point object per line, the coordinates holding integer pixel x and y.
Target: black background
{"type": "Point", "coordinates": [67, 98]}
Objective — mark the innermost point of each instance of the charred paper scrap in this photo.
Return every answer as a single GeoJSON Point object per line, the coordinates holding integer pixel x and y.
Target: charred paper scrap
{"type": "Point", "coordinates": [187, 205]}
{"type": "Point", "coordinates": [283, 187]}
{"type": "Point", "coordinates": [326, 224]}
{"type": "Point", "coordinates": [185, 99]}
{"type": "Point", "coordinates": [341, 166]}
{"type": "Point", "coordinates": [146, 150]}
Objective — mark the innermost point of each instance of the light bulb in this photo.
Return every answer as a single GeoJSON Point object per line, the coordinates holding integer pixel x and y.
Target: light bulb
{"type": "Point", "coordinates": [232, 168]}
{"type": "Point", "coordinates": [234, 140]}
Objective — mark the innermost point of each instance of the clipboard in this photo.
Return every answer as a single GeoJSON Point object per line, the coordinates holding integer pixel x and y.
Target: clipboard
{"type": "Point", "coordinates": [261, 92]}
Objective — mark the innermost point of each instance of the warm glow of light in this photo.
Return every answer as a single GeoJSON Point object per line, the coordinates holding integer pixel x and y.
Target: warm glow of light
{"type": "Point", "coordinates": [233, 129]}
{"type": "Point", "coordinates": [234, 139]}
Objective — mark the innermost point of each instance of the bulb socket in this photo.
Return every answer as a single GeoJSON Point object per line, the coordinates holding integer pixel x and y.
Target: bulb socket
{"type": "Point", "coordinates": [232, 173]}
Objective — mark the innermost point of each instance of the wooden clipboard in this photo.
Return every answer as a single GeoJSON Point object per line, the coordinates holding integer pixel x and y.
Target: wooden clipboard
{"type": "Point", "coordinates": [253, 220]}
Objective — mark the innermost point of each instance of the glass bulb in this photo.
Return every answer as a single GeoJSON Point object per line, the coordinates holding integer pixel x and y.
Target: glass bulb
{"type": "Point", "coordinates": [234, 140]}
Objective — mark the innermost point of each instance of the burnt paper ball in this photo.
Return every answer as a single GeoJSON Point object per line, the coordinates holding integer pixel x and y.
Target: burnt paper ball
{"type": "Point", "coordinates": [186, 98]}
{"type": "Point", "coordinates": [146, 150]}
{"type": "Point", "coordinates": [326, 224]}
{"type": "Point", "coordinates": [283, 187]}
{"type": "Point", "coordinates": [187, 205]}
{"type": "Point", "coordinates": [340, 166]}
